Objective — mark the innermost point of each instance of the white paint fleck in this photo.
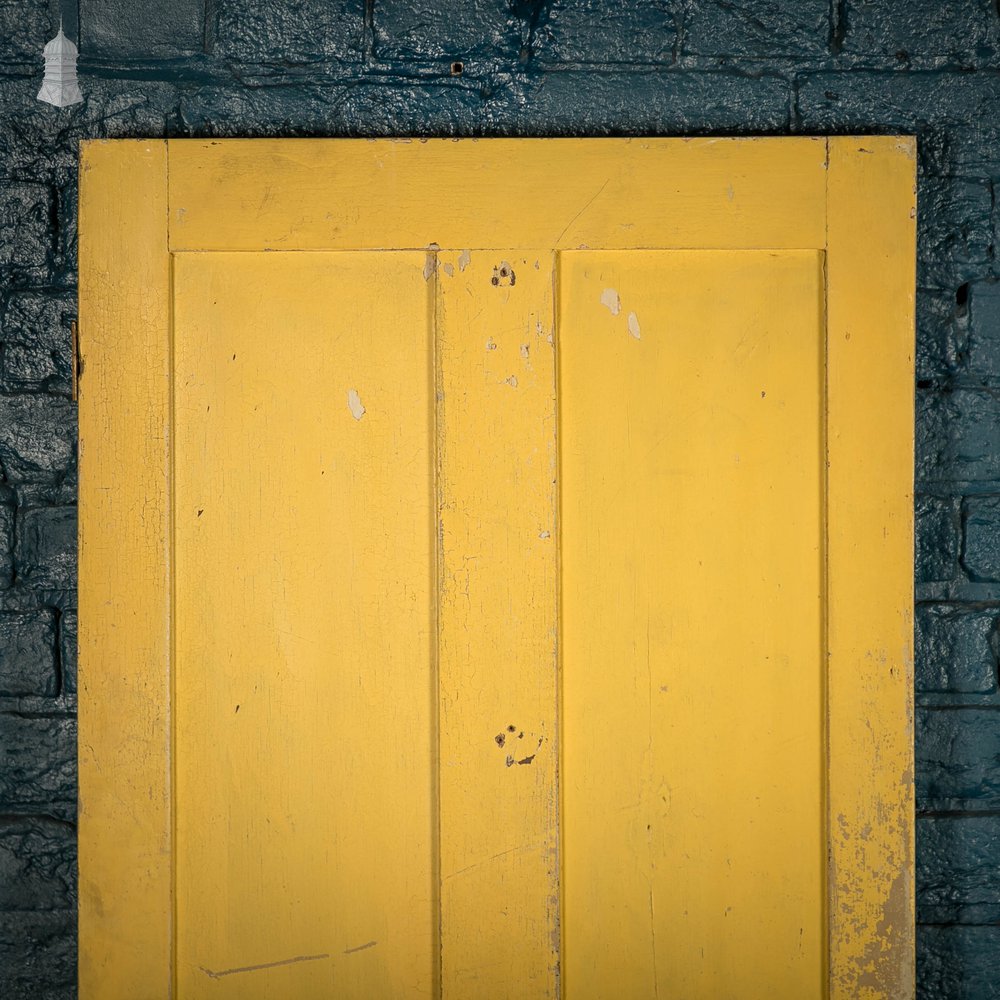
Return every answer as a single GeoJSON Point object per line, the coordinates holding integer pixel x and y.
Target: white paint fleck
{"type": "Point", "coordinates": [545, 534]}
{"type": "Point", "coordinates": [512, 381]}
{"type": "Point", "coordinates": [464, 260]}
{"type": "Point", "coordinates": [609, 298]}
{"type": "Point", "coordinates": [354, 404]}
{"type": "Point", "coordinates": [449, 270]}
{"type": "Point", "coordinates": [633, 325]}
{"type": "Point", "coordinates": [490, 345]}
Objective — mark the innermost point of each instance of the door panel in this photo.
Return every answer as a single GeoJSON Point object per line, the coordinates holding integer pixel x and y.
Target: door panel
{"type": "Point", "coordinates": [692, 626]}
{"type": "Point", "coordinates": [304, 645]}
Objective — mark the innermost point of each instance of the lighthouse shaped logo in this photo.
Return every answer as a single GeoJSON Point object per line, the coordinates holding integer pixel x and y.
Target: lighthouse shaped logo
{"type": "Point", "coordinates": [59, 87]}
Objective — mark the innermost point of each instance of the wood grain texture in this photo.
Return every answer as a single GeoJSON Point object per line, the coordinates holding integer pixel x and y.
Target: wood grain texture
{"type": "Point", "coordinates": [124, 668]}
{"type": "Point", "coordinates": [499, 801]}
{"type": "Point", "coordinates": [692, 607]}
{"type": "Point", "coordinates": [304, 680]}
{"type": "Point", "coordinates": [503, 193]}
{"type": "Point", "coordinates": [871, 257]}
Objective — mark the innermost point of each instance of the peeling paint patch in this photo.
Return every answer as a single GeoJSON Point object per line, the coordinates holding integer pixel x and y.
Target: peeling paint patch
{"type": "Point", "coordinates": [354, 404]}
{"type": "Point", "coordinates": [524, 351]}
{"type": "Point", "coordinates": [609, 298]}
{"type": "Point", "coordinates": [430, 266]}
{"type": "Point", "coordinates": [448, 269]}
{"type": "Point", "coordinates": [545, 534]}
{"type": "Point", "coordinates": [512, 381]}
{"type": "Point", "coordinates": [633, 326]}
{"type": "Point", "coordinates": [491, 344]}
{"type": "Point", "coordinates": [464, 259]}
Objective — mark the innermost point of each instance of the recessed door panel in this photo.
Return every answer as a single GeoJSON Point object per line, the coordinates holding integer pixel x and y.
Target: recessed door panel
{"type": "Point", "coordinates": [304, 687]}
{"type": "Point", "coordinates": [692, 624]}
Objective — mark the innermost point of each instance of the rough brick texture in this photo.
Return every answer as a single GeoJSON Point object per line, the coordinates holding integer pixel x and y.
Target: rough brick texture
{"type": "Point", "coordinates": [529, 67]}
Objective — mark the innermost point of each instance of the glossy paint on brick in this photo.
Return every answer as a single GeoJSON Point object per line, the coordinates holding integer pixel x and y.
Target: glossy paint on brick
{"type": "Point", "coordinates": [240, 68]}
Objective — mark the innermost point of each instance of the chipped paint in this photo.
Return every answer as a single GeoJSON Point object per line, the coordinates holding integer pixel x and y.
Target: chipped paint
{"type": "Point", "coordinates": [609, 298]}
{"type": "Point", "coordinates": [464, 259]}
{"type": "Point", "coordinates": [354, 404]}
{"type": "Point", "coordinates": [633, 325]}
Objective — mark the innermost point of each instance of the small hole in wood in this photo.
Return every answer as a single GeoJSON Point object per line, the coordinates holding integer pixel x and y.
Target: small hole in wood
{"type": "Point", "coordinates": [457, 68]}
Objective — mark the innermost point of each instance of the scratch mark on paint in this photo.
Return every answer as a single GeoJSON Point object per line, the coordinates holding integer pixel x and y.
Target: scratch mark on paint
{"type": "Point", "coordinates": [600, 191]}
{"type": "Point", "coordinates": [265, 965]}
{"type": "Point", "coordinates": [464, 260]}
{"type": "Point", "coordinates": [730, 192]}
{"type": "Point", "coordinates": [633, 326]}
{"type": "Point", "coordinates": [609, 298]}
{"type": "Point", "coordinates": [354, 404]}
{"type": "Point", "coordinates": [360, 947]}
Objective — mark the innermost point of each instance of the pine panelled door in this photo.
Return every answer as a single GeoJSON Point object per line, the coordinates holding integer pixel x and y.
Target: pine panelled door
{"type": "Point", "coordinates": [496, 569]}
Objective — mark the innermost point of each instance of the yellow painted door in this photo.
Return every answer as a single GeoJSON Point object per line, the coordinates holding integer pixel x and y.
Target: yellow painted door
{"type": "Point", "coordinates": [489, 616]}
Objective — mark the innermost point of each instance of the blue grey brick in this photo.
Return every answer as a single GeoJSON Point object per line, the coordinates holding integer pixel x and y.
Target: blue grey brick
{"type": "Point", "coordinates": [6, 545]}
{"type": "Point", "coordinates": [25, 27]}
{"type": "Point", "coordinates": [45, 552]}
{"type": "Point", "coordinates": [942, 331]}
{"type": "Point", "coordinates": [121, 29]}
{"type": "Point", "coordinates": [371, 109]}
{"type": "Point", "coordinates": [958, 963]}
{"type": "Point", "coordinates": [592, 31]}
{"type": "Point", "coordinates": [957, 436]}
{"type": "Point", "coordinates": [958, 758]}
{"type": "Point", "coordinates": [965, 31]}
{"type": "Point", "coordinates": [756, 29]}
{"type": "Point", "coordinates": [313, 33]}
{"type": "Point", "coordinates": [954, 229]}
{"type": "Point", "coordinates": [958, 879]}
{"type": "Point", "coordinates": [25, 234]}
{"type": "Point", "coordinates": [981, 538]}
{"type": "Point", "coordinates": [981, 351]}
{"type": "Point", "coordinates": [28, 653]}
{"type": "Point", "coordinates": [936, 539]}
{"type": "Point", "coordinates": [37, 762]}
{"type": "Point", "coordinates": [35, 338]}
{"type": "Point", "coordinates": [37, 864]}
{"type": "Point", "coordinates": [956, 649]}
{"type": "Point", "coordinates": [448, 30]}
{"type": "Point", "coordinates": [37, 438]}
{"type": "Point", "coordinates": [599, 103]}
{"type": "Point", "coordinates": [38, 955]}
{"type": "Point", "coordinates": [68, 650]}
{"type": "Point", "coordinates": [955, 115]}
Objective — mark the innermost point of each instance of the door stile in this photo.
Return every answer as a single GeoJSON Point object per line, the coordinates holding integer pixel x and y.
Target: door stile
{"type": "Point", "coordinates": [497, 626]}
{"type": "Point", "coordinates": [125, 825]}
{"type": "Point", "coordinates": [871, 253]}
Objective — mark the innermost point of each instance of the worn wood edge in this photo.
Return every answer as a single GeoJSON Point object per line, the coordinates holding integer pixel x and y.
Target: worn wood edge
{"type": "Point", "coordinates": [236, 194]}
{"type": "Point", "coordinates": [125, 899]}
{"type": "Point", "coordinates": [871, 254]}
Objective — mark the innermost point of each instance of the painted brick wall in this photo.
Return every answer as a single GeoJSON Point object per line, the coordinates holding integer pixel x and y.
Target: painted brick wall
{"type": "Point", "coordinates": [530, 67]}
